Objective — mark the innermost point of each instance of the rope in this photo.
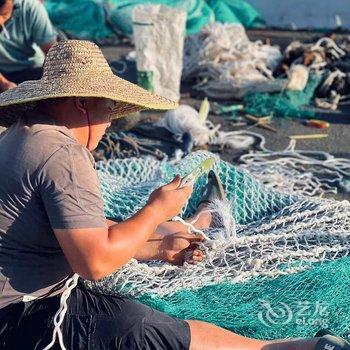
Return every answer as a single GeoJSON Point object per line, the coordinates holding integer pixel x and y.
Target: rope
{"type": "Point", "coordinates": [60, 314]}
{"type": "Point", "coordinates": [226, 64]}
{"type": "Point", "coordinates": [191, 227]}
{"type": "Point", "coordinates": [185, 119]}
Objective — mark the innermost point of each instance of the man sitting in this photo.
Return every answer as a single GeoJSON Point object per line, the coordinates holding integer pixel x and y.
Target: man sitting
{"type": "Point", "coordinates": [52, 223]}
{"type": "Point", "coordinates": [25, 27]}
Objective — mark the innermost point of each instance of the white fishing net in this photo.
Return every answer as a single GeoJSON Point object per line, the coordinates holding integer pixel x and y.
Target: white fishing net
{"type": "Point", "coordinates": [307, 173]}
{"type": "Point", "coordinates": [259, 232]}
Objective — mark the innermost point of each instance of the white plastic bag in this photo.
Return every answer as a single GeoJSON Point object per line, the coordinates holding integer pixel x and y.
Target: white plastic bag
{"type": "Point", "coordinates": [159, 33]}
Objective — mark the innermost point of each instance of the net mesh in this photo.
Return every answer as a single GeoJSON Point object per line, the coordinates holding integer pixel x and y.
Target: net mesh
{"type": "Point", "coordinates": [126, 185]}
{"type": "Point", "coordinates": [287, 104]}
{"type": "Point", "coordinates": [272, 254]}
{"type": "Point", "coordinates": [296, 305]}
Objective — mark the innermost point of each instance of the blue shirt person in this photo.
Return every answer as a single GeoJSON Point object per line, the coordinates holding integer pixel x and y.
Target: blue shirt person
{"type": "Point", "coordinates": [25, 28]}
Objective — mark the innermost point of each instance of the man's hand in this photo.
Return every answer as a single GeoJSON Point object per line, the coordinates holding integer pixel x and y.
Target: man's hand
{"type": "Point", "coordinates": [6, 84]}
{"type": "Point", "coordinates": [168, 201]}
{"type": "Point", "coordinates": [180, 247]}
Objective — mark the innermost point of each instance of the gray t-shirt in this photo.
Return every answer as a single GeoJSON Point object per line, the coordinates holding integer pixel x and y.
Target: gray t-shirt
{"type": "Point", "coordinates": [29, 25]}
{"type": "Point", "coordinates": [47, 181]}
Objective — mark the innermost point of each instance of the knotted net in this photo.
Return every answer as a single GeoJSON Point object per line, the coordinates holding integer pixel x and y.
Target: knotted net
{"type": "Point", "coordinates": [269, 253]}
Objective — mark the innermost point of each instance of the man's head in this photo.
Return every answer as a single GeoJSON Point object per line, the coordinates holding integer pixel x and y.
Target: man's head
{"type": "Point", "coordinates": [98, 114]}
{"type": "Point", "coordinates": [87, 117]}
{"type": "Point", "coordinates": [6, 9]}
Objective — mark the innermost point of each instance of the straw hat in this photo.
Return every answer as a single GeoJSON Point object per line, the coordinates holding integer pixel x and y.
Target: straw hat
{"type": "Point", "coordinates": [78, 68]}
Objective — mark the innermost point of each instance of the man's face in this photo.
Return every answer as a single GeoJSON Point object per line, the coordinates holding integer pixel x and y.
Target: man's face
{"type": "Point", "coordinates": [6, 12]}
{"type": "Point", "coordinates": [100, 111]}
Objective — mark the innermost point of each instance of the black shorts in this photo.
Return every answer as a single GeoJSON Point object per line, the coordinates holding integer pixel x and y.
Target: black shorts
{"type": "Point", "coordinates": [93, 321]}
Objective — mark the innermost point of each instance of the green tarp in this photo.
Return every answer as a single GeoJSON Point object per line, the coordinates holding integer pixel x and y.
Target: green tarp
{"type": "Point", "coordinates": [100, 20]}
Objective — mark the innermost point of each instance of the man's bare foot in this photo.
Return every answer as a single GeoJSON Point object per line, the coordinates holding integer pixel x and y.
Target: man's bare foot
{"type": "Point", "coordinates": [181, 247]}
{"type": "Point", "coordinates": [193, 256]}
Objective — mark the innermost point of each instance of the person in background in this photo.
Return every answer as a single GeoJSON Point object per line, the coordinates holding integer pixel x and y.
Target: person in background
{"type": "Point", "coordinates": [25, 28]}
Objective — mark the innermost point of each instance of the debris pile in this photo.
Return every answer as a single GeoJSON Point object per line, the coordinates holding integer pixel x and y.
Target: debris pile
{"type": "Point", "coordinates": [326, 57]}
{"type": "Point", "coordinates": [225, 64]}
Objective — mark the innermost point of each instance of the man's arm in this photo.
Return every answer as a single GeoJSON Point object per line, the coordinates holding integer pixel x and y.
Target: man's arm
{"type": "Point", "coordinates": [165, 246]}
{"type": "Point", "coordinates": [42, 31]}
{"type": "Point", "coordinates": [46, 47]}
{"type": "Point", "coordinates": [6, 84]}
{"type": "Point", "coordinates": [95, 253]}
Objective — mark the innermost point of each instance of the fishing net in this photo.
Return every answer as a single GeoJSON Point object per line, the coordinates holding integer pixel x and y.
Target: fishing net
{"type": "Point", "coordinates": [67, 16]}
{"type": "Point", "coordinates": [126, 185]}
{"type": "Point", "coordinates": [287, 104]}
{"type": "Point", "coordinates": [275, 266]}
{"type": "Point", "coordinates": [296, 305]}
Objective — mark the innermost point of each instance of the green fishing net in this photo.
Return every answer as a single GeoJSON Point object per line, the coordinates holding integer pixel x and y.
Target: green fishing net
{"type": "Point", "coordinates": [127, 183]}
{"type": "Point", "coordinates": [103, 20]}
{"type": "Point", "coordinates": [296, 305]}
{"type": "Point", "coordinates": [287, 104]}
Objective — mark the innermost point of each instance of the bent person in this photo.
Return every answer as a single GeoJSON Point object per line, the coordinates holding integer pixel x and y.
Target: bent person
{"type": "Point", "coordinates": [52, 223]}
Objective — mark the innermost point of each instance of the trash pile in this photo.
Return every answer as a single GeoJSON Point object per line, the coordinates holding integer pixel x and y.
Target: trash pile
{"type": "Point", "coordinates": [327, 57]}
{"type": "Point", "coordinates": [223, 64]}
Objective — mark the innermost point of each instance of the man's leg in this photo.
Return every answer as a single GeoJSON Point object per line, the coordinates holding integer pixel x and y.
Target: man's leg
{"type": "Point", "coordinates": [206, 336]}
{"type": "Point", "coordinates": [200, 220]}
{"type": "Point", "coordinates": [120, 323]}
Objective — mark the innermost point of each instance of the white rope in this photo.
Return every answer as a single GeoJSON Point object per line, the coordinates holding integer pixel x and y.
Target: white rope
{"type": "Point", "coordinates": [185, 119]}
{"type": "Point", "coordinates": [191, 227]}
{"type": "Point", "coordinates": [330, 43]}
{"type": "Point", "coordinates": [5, 31]}
{"type": "Point", "coordinates": [309, 173]}
{"type": "Point", "coordinates": [59, 316]}
{"type": "Point", "coordinates": [227, 64]}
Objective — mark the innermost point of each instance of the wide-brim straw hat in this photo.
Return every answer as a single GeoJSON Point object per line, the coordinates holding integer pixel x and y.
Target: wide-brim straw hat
{"type": "Point", "coordinates": [77, 68]}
